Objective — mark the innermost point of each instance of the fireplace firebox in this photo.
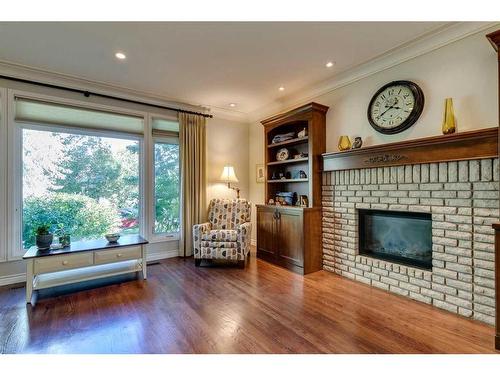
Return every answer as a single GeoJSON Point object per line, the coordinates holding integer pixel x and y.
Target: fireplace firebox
{"type": "Point", "coordinates": [399, 237]}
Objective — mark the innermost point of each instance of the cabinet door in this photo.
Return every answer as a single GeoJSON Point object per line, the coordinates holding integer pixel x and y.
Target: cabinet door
{"type": "Point", "coordinates": [266, 231]}
{"type": "Point", "coordinates": [289, 243]}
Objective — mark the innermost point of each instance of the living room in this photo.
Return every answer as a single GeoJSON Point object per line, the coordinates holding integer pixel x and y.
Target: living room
{"type": "Point", "coordinates": [295, 186]}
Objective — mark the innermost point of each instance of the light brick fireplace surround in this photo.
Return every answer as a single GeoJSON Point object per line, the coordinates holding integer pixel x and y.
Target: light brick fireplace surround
{"type": "Point", "coordinates": [462, 197]}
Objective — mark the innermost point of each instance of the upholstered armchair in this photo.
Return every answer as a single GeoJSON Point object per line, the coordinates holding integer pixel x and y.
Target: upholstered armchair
{"type": "Point", "coordinates": [226, 235]}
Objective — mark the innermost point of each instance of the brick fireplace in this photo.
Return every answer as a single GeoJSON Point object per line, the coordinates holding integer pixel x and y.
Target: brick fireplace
{"type": "Point", "coordinates": [461, 199]}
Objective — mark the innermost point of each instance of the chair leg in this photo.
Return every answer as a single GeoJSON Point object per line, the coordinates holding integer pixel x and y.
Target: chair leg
{"type": "Point", "coordinates": [197, 262]}
{"type": "Point", "coordinates": [241, 264]}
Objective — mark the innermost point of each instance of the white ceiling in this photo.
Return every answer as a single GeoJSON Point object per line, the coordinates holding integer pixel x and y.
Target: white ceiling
{"type": "Point", "coordinates": [211, 63]}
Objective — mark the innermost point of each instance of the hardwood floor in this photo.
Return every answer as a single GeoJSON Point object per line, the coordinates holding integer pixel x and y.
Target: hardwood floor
{"type": "Point", "coordinates": [262, 309]}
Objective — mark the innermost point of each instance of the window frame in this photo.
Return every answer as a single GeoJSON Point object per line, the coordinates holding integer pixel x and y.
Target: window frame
{"type": "Point", "coordinates": [3, 175]}
{"type": "Point", "coordinates": [15, 170]}
{"type": "Point", "coordinates": [160, 237]}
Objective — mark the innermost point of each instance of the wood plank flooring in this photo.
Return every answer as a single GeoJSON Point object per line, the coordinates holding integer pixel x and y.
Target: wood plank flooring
{"type": "Point", "coordinates": [262, 309]}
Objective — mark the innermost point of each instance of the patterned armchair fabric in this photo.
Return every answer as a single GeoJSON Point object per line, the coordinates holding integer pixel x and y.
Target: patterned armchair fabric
{"type": "Point", "coordinates": [227, 233]}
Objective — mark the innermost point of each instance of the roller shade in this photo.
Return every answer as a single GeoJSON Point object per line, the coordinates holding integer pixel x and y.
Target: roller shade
{"type": "Point", "coordinates": [40, 112]}
{"type": "Point", "coordinates": [165, 128]}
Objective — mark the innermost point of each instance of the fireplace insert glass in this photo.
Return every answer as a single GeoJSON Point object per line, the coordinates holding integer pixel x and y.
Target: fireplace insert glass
{"type": "Point", "coordinates": [400, 237]}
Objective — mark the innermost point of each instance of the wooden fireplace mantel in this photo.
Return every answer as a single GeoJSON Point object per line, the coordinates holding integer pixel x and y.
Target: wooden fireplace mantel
{"type": "Point", "coordinates": [477, 144]}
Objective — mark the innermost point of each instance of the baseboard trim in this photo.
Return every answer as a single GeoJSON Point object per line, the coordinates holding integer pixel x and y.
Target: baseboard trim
{"type": "Point", "coordinates": [21, 277]}
{"type": "Point", "coordinates": [13, 279]}
{"type": "Point", "coordinates": [162, 255]}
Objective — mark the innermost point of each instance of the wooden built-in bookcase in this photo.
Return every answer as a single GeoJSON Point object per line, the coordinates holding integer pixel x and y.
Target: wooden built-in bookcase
{"type": "Point", "coordinates": [290, 236]}
{"type": "Point", "coordinates": [312, 118]}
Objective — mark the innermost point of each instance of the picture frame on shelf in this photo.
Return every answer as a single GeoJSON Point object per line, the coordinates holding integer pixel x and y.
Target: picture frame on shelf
{"type": "Point", "coordinates": [260, 173]}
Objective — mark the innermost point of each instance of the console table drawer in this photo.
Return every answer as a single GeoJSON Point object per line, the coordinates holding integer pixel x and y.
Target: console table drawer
{"type": "Point", "coordinates": [62, 262]}
{"type": "Point", "coordinates": [117, 255]}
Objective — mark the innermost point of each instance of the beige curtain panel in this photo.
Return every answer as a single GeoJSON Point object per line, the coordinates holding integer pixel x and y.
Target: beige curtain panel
{"type": "Point", "coordinates": [192, 139]}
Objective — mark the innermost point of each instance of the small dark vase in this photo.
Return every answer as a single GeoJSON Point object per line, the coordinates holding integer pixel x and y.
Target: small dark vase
{"type": "Point", "coordinates": [44, 241]}
{"type": "Point", "coordinates": [358, 142]}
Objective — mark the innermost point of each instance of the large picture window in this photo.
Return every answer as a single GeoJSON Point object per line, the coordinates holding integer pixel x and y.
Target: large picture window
{"type": "Point", "coordinates": [166, 186]}
{"type": "Point", "coordinates": [83, 183]}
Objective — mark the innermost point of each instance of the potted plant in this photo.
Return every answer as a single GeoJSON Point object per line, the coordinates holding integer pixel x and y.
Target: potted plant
{"type": "Point", "coordinates": [43, 237]}
{"type": "Point", "coordinates": [64, 237]}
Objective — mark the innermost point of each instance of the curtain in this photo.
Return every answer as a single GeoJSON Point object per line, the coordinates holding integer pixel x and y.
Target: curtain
{"type": "Point", "coordinates": [192, 139]}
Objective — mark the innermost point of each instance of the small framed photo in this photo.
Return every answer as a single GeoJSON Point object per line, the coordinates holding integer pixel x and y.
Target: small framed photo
{"type": "Point", "coordinates": [260, 171]}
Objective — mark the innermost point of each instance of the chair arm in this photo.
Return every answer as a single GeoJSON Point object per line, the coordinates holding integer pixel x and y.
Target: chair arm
{"type": "Point", "coordinates": [198, 230]}
{"type": "Point", "coordinates": [244, 232]}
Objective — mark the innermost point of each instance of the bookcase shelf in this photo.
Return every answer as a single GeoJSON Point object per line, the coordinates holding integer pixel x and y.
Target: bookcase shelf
{"type": "Point", "coordinates": [289, 161]}
{"type": "Point", "coordinates": [289, 142]}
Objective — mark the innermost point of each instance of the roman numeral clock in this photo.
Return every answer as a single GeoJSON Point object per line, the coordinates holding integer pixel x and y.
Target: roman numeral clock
{"type": "Point", "coordinates": [395, 107]}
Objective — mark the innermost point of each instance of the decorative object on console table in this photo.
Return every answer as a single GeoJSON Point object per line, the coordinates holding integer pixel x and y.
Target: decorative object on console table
{"type": "Point", "coordinates": [290, 236]}
{"type": "Point", "coordinates": [449, 121]}
{"type": "Point", "coordinates": [494, 39]}
{"type": "Point", "coordinates": [43, 237]}
{"type": "Point", "coordinates": [228, 175]}
{"type": "Point", "coordinates": [112, 237]}
{"type": "Point", "coordinates": [344, 143]}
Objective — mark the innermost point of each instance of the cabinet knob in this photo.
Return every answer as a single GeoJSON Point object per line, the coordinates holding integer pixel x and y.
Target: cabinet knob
{"type": "Point", "coordinates": [64, 262]}
{"type": "Point", "coordinates": [119, 255]}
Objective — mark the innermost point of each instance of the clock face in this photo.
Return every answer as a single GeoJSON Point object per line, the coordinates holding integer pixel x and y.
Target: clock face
{"type": "Point", "coordinates": [395, 107]}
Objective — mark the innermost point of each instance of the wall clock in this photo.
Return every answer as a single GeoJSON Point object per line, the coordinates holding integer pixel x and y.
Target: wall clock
{"type": "Point", "coordinates": [395, 107]}
{"type": "Point", "coordinates": [282, 154]}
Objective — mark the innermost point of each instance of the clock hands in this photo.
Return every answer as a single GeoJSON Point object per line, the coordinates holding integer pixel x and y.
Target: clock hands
{"type": "Point", "coordinates": [388, 108]}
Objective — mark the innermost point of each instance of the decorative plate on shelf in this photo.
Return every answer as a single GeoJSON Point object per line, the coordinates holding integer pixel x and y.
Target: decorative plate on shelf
{"type": "Point", "coordinates": [282, 154]}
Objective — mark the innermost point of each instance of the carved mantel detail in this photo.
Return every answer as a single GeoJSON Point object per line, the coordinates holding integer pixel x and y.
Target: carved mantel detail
{"type": "Point", "coordinates": [385, 158]}
{"type": "Point", "coordinates": [477, 144]}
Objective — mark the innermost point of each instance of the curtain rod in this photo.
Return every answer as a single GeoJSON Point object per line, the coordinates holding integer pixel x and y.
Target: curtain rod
{"type": "Point", "coordinates": [89, 93]}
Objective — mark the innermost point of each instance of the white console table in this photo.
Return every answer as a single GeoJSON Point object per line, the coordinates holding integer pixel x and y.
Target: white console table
{"type": "Point", "coordinates": [82, 261]}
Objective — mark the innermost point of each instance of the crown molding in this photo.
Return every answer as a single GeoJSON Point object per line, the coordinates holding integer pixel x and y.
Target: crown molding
{"type": "Point", "coordinates": [422, 45]}
{"type": "Point", "coordinates": [40, 75]}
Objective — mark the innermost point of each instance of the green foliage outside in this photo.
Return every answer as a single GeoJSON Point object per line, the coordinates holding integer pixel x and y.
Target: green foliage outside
{"type": "Point", "coordinates": [167, 182]}
{"type": "Point", "coordinates": [81, 216]}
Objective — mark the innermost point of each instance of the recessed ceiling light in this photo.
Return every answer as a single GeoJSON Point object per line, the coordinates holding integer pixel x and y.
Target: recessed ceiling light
{"type": "Point", "coordinates": [232, 104]}
{"type": "Point", "coordinates": [120, 56]}
{"type": "Point", "coordinates": [281, 88]}
{"type": "Point", "coordinates": [329, 64]}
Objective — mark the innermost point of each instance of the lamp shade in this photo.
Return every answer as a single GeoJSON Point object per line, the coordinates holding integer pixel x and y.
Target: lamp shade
{"type": "Point", "coordinates": [228, 174]}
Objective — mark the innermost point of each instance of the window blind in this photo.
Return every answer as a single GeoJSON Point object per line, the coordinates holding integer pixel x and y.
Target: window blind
{"type": "Point", "coordinates": [40, 112]}
{"type": "Point", "coordinates": [165, 128]}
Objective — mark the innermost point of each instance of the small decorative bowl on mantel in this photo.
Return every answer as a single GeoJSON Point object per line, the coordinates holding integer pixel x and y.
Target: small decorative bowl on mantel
{"type": "Point", "coordinates": [112, 237]}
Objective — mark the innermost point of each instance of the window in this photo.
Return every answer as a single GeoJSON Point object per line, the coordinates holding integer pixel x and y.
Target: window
{"type": "Point", "coordinates": [166, 186]}
{"type": "Point", "coordinates": [83, 182]}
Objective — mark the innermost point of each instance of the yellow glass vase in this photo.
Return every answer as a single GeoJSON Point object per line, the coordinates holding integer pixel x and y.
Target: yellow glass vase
{"type": "Point", "coordinates": [449, 123]}
{"type": "Point", "coordinates": [344, 143]}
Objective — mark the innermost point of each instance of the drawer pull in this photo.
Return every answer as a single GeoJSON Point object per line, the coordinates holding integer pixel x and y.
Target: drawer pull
{"type": "Point", "coordinates": [119, 255]}
{"type": "Point", "coordinates": [64, 262]}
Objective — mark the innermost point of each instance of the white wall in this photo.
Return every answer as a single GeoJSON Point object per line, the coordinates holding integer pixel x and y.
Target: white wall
{"type": "Point", "coordinates": [227, 143]}
{"type": "Point", "coordinates": [465, 70]}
